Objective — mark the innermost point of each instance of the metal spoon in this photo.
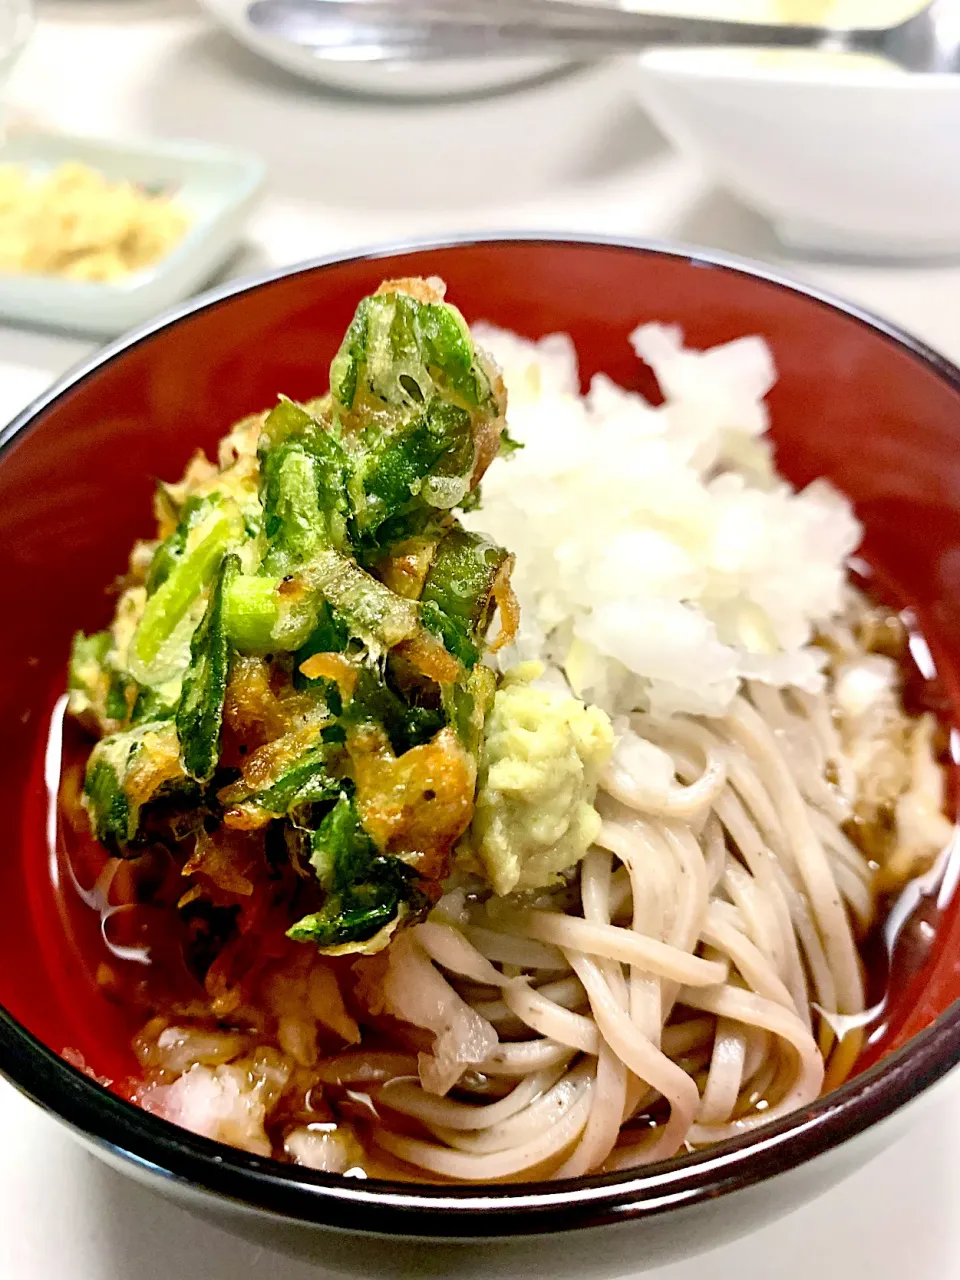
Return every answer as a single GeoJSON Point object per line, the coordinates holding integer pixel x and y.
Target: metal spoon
{"type": "Point", "coordinates": [423, 30]}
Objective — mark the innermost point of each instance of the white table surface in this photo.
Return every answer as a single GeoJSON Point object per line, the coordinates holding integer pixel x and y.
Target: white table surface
{"type": "Point", "coordinates": [573, 154]}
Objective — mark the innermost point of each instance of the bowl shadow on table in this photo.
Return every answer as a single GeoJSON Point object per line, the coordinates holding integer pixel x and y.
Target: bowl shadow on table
{"type": "Point", "coordinates": [887, 1221]}
{"type": "Point", "coordinates": [427, 158]}
{"type": "Point", "coordinates": [721, 220]}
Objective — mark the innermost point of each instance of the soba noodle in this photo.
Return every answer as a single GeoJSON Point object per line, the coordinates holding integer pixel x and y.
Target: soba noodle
{"type": "Point", "coordinates": [685, 998]}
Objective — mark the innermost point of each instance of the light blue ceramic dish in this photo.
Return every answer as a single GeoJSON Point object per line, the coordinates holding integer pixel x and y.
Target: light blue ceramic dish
{"type": "Point", "coordinates": [217, 187]}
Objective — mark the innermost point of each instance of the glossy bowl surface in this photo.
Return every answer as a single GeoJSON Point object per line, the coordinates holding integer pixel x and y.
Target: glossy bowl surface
{"type": "Point", "coordinates": [856, 402]}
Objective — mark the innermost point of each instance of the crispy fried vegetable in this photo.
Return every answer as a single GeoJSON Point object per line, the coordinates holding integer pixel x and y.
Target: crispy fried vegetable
{"type": "Point", "coordinates": [423, 465]}
{"type": "Point", "coordinates": [404, 570]}
{"type": "Point", "coordinates": [306, 781]}
{"type": "Point", "coordinates": [417, 804]}
{"type": "Point", "coordinates": [508, 445]}
{"type": "Point", "coordinates": [160, 647]}
{"type": "Point", "coordinates": [304, 479]}
{"type": "Point", "coordinates": [504, 599]}
{"type": "Point", "coordinates": [236, 476]}
{"type": "Point", "coordinates": [265, 615]}
{"type": "Point", "coordinates": [295, 661]}
{"type": "Point", "coordinates": [335, 669]}
{"type": "Point", "coordinates": [365, 892]}
{"type": "Point", "coordinates": [303, 767]}
{"type": "Point", "coordinates": [427, 654]}
{"type": "Point", "coordinates": [370, 610]}
{"type": "Point", "coordinates": [251, 611]}
{"type": "Point", "coordinates": [86, 673]}
{"type": "Point", "coordinates": [294, 521]}
{"type": "Point", "coordinates": [373, 702]}
{"type": "Point", "coordinates": [458, 595]}
{"type": "Point", "coordinates": [200, 713]}
{"type": "Point", "coordinates": [153, 704]}
{"type": "Point", "coordinates": [172, 549]}
{"type": "Point", "coordinates": [98, 691]}
{"type": "Point", "coordinates": [124, 772]}
{"type": "Point", "coordinates": [329, 639]}
{"type": "Point", "coordinates": [330, 635]}
{"type": "Point", "coordinates": [254, 712]}
{"type": "Point", "coordinates": [402, 350]}
{"type": "Point", "coordinates": [422, 409]}
{"type": "Point", "coordinates": [104, 799]}
{"type": "Point", "coordinates": [467, 705]}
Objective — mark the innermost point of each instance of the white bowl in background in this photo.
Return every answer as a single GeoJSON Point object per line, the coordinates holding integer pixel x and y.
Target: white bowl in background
{"type": "Point", "coordinates": [403, 79]}
{"type": "Point", "coordinates": [842, 154]}
{"type": "Point", "coordinates": [217, 187]}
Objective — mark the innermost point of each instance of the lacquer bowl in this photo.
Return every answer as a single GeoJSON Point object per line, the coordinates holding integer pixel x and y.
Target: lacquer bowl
{"type": "Point", "coordinates": [856, 401]}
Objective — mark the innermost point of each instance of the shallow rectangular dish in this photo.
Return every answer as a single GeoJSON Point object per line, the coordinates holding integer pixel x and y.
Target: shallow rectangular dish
{"type": "Point", "coordinates": [217, 187]}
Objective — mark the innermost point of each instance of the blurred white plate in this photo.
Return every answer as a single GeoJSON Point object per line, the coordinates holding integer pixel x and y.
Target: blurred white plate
{"type": "Point", "coordinates": [843, 154]}
{"type": "Point", "coordinates": [216, 186]}
{"type": "Point", "coordinates": [400, 79]}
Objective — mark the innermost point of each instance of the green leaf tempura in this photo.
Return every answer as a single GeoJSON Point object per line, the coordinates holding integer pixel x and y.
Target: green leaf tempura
{"type": "Point", "coordinates": [294, 663]}
{"type": "Point", "coordinates": [200, 713]}
{"type": "Point", "coordinates": [365, 891]}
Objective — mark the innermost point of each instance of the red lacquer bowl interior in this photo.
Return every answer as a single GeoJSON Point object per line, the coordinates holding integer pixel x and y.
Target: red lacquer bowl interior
{"type": "Point", "coordinates": [852, 403]}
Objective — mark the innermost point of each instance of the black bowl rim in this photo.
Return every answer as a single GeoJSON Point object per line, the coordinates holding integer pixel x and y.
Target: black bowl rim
{"type": "Point", "coordinates": [425, 1211]}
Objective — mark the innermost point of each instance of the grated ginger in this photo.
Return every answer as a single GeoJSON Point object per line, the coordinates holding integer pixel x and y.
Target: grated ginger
{"type": "Point", "coordinates": [74, 222]}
